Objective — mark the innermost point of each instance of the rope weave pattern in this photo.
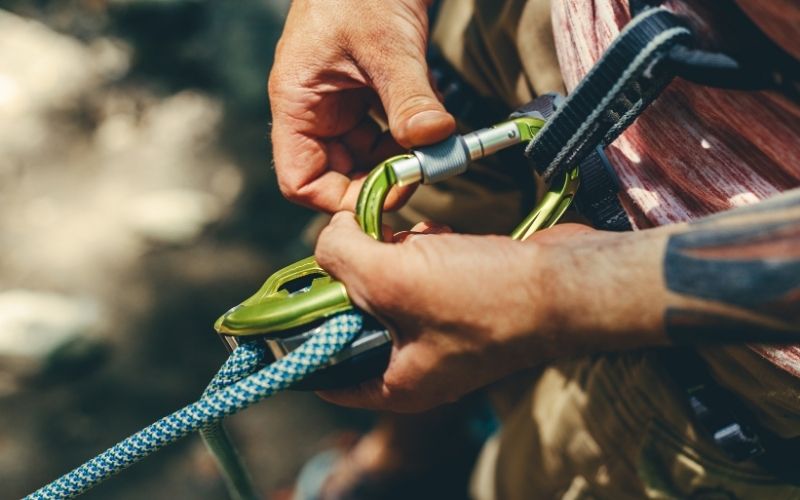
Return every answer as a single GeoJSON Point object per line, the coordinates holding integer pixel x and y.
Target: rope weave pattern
{"type": "Point", "coordinates": [231, 390]}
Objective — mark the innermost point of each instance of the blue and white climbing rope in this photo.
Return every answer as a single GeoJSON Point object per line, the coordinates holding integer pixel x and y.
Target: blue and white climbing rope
{"type": "Point", "coordinates": [231, 390]}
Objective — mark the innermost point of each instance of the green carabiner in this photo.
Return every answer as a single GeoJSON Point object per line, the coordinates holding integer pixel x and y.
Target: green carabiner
{"type": "Point", "coordinates": [551, 207]}
{"type": "Point", "coordinates": [302, 293]}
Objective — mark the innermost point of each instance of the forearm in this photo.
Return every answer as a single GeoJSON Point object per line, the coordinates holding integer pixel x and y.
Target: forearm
{"type": "Point", "coordinates": [731, 277]}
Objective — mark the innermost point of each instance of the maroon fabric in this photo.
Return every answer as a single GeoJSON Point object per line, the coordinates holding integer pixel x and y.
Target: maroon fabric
{"type": "Point", "coordinates": [696, 150]}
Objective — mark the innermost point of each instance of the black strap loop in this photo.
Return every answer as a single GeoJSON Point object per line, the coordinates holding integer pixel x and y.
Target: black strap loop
{"type": "Point", "coordinates": [757, 64]}
{"type": "Point", "coordinates": [617, 89]}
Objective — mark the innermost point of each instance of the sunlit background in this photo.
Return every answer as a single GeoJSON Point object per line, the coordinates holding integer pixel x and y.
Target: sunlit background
{"type": "Point", "coordinates": [137, 203]}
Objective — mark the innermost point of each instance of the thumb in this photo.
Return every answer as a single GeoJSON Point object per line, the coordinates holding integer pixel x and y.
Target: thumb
{"type": "Point", "coordinates": [350, 255]}
{"type": "Point", "coordinates": [416, 117]}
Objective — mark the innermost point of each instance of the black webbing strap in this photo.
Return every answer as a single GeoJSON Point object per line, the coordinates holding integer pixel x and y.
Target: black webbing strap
{"type": "Point", "coordinates": [616, 90]}
{"type": "Point", "coordinates": [597, 198]}
{"type": "Point", "coordinates": [650, 51]}
{"type": "Point", "coordinates": [754, 63]}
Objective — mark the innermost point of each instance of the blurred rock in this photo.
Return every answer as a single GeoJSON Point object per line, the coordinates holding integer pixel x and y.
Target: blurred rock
{"type": "Point", "coordinates": [172, 216]}
{"type": "Point", "coordinates": [43, 70]}
{"type": "Point", "coordinates": [37, 328]}
{"type": "Point", "coordinates": [94, 172]}
{"type": "Point", "coordinates": [126, 128]}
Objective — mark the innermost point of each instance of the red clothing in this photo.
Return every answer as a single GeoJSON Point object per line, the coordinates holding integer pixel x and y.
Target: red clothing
{"type": "Point", "coordinates": [696, 150]}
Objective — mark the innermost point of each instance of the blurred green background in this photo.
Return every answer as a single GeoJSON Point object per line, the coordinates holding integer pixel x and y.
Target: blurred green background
{"type": "Point", "coordinates": [137, 203]}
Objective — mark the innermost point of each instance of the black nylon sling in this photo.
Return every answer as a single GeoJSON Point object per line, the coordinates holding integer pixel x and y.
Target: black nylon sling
{"type": "Point", "coordinates": [617, 89]}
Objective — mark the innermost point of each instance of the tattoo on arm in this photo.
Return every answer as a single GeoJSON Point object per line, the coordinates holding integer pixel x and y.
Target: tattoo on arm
{"type": "Point", "coordinates": [740, 271]}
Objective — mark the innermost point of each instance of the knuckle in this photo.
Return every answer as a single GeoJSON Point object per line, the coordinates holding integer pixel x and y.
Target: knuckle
{"type": "Point", "coordinates": [397, 385]}
{"type": "Point", "coordinates": [322, 251]}
{"type": "Point", "coordinates": [289, 188]}
{"type": "Point", "coordinates": [274, 88]}
{"type": "Point", "coordinates": [295, 189]}
{"type": "Point", "coordinates": [340, 218]}
{"type": "Point", "coordinates": [273, 81]}
{"type": "Point", "coordinates": [276, 79]}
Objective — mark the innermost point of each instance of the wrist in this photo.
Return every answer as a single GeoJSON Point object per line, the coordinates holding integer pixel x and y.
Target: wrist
{"type": "Point", "coordinates": [549, 329]}
{"type": "Point", "coordinates": [602, 292]}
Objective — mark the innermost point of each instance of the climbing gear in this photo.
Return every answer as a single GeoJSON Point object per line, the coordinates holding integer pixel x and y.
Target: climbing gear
{"type": "Point", "coordinates": [300, 330]}
{"type": "Point", "coordinates": [726, 419]}
{"type": "Point", "coordinates": [332, 334]}
{"type": "Point", "coordinates": [302, 294]}
{"type": "Point", "coordinates": [299, 296]}
{"type": "Point", "coordinates": [757, 63]}
{"type": "Point", "coordinates": [652, 49]}
{"type": "Point", "coordinates": [239, 383]}
{"type": "Point", "coordinates": [620, 86]}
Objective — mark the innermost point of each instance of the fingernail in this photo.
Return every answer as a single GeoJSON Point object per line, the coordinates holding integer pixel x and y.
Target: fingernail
{"type": "Point", "coordinates": [428, 126]}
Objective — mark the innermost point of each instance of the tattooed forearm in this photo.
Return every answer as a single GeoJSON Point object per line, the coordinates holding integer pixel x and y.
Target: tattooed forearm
{"type": "Point", "coordinates": [737, 275]}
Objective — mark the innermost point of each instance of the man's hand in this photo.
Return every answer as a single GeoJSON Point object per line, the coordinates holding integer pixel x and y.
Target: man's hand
{"type": "Point", "coordinates": [336, 61]}
{"type": "Point", "coordinates": [464, 310]}
{"type": "Point", "coordinates": [467, 310]}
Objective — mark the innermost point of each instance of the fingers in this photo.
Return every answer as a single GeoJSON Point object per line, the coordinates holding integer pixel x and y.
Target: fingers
{"type": "Point", "coordinates": [369, 144]}
{"type": "Point", "coordinates": [329, 66]}
{"type": "Point", "coordinates": [303, 162]}
{"type": "Point", "coordinates": [409, 385]}
{"type": "Point", "coordinates": [376, 395]}
{"type": "Point", "coordinates": [350, 255]}
{"type": "Point", "coordinates": [367, 395]}
{"type": "Point", "coordinates": [320, 174]}
{"type": "Point", "coordinates": [324, 173]}
{"type": "Point", "coordinates": [421, 229]}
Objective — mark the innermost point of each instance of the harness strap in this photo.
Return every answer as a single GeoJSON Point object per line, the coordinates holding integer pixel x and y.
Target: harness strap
{"type": "Point", "coordinates": [597, 198]}
{"type": "Point", "coordinates": [617, 89]}
{"type": "Point", "coordinates": [757, 63]}
{"type": "Point", "coordinates": [613, 94]}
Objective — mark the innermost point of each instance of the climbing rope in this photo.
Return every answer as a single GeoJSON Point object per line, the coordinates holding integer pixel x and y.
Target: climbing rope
{"type": "Point", "coordinates": [232, 389]}
{"type": "Point", "coordinates": [215, 437]}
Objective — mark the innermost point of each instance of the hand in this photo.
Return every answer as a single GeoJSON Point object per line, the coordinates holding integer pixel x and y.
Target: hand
{"type": "Point", "coordinates": [335, 61]}
{"type": "Point", "coordinates": [464, 311]}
